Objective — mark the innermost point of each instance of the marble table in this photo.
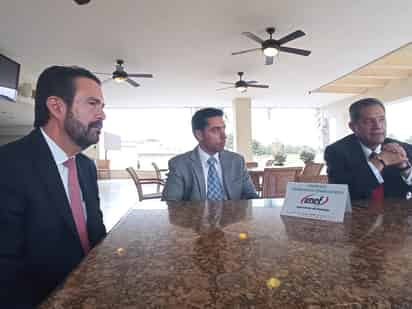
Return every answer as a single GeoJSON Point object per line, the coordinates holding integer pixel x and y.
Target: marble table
{"type": "Point", "coordinates": [245, 255]}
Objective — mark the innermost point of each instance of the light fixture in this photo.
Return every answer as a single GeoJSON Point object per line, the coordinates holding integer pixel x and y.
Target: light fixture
{"type": "Point", "coordinates": [82, 2]}
{"type": "Point", "coordinates": [241, 88]}
{"type": "Point", "coordinates": [270, 51]}
{"type": "Point", "coordinates": [119, 79]}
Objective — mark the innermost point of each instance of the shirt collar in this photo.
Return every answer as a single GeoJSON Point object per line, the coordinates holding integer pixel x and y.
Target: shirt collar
{"type": "Point", "coordinates": [204, 156]}
{"type": "Point", "coordinates": [58, 154]}
{"type": "Point", "coordinates": [367, 151]}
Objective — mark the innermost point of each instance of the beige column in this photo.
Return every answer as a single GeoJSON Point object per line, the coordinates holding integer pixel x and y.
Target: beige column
{"type": "Point", "coordinates": [242, 135]}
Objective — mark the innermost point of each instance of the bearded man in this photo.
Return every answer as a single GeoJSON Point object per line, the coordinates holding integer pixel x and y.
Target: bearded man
{"type": "Point", "coordinates": [50, 214]}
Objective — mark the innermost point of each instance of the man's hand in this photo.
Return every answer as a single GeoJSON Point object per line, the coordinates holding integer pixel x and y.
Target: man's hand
{"type": "Point", "coordinates": [394, 154]}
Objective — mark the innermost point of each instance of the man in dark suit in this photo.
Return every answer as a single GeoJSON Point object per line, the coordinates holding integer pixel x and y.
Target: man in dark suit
{"type": "Point", "coordinates": [208, 172]}
{"type": "Point", "coordinates": [372, 165]}
{"type": "Point", "coordinates": [50, 215]}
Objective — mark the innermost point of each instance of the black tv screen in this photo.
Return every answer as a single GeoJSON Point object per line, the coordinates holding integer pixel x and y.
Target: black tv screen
{"type": "Point", "coordinates": [9, 78]}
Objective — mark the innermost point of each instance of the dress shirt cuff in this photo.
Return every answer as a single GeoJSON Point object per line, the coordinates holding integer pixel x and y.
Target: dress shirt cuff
{"type": "Point", "coordinates": [407, 177]}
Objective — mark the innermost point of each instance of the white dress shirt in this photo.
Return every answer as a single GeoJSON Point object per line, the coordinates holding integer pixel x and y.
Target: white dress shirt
{"type": "Point", "coordinates": [367, 151]}
{"type": "Point", "coordinates": [204, 156]}
{"type": "Point", "coordinates": [60, 157]}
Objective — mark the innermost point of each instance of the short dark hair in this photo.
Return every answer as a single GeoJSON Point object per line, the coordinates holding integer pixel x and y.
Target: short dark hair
{"type": "Point", "coordinates": [199, 119]}
{"type": "Point", "coordinates": [356, 107]}
{"type": "Point", "coordinates": [57, 81]}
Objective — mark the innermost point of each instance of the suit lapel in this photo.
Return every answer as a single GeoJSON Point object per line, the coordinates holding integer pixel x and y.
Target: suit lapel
{"type": "Point", "coordinates": [46, 168]}
{"type": "Point", "coordinates": [198, 171]}
{"type": "Point", "coordinates": [225, 163]}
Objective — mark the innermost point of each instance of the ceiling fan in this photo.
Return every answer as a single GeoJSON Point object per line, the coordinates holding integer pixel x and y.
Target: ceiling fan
{"type": "Point", "coordinates": [272, 47]}
{"type": "Point", "coordinates": [82, 2]}
{"type": "Point", "coordinates": [242, 85]}
{"type": "Point", "coordinates": [120, 75]}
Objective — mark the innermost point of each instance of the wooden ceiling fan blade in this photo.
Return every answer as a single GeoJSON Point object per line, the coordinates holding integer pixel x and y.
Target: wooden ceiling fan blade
{"type": "Point", "coordinates": [297, 51]}
{"type": "Point", "coordinates": [291, 36]}
{"type": "Point", "coordinates": [246, 51]}
{"type": "Point", "coordinates": [99, 73]}
{"type": "Point", "coordinates": [253, 37]}
{"type": "Point", "coordinates": [225, 88]}
{"type": "Point", "coordinates": [227, 83]}
{"type": "Point", "coordinates": [132, 82]}
{"type": "Point", "coordinates": [258, 86]}
{"type": "Point", "coordinates": [141, 75]}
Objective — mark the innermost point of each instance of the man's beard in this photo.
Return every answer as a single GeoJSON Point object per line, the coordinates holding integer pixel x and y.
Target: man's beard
{"type": "Point", "coordinates": [79, 133]}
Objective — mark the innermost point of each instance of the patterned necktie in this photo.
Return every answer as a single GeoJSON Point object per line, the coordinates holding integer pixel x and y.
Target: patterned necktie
{"type": "Point", "coordinates": [76, 204]}
{"type": "Point", "coordinates": [214, 186]}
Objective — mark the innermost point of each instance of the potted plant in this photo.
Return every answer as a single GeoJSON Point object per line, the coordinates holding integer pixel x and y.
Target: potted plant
{"type": "Point", "coordinates": [307, 155]}
{"type": "Point", "coordinates": [280, 158]}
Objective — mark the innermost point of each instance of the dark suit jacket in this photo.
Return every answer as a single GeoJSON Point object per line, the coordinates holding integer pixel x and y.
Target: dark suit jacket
{"type": "Point", "coordinates": [39, 244]}
{"type": "Point", "coordinates": [186, 180]}
{"type": "Point", "coordinates": [347, 164]}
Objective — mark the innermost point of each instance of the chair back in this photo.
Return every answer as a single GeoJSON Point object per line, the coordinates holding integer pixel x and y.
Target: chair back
{"type": "Point", "coordinates": [257, 180]}
{"type": "Point", "coordinates": [136, 181]}
{"type": "Point", "coordinates": [313, 179]}
{"type": "Point", "coordinates": [251, 164]}
{"type": "Point", "coordinates": [275, 180]}
{"type": "Point", "coordinates": [312, 169]}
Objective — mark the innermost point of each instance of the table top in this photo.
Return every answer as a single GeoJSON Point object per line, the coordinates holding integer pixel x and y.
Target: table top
{"type": "Point", "coordinates": [243, 254]}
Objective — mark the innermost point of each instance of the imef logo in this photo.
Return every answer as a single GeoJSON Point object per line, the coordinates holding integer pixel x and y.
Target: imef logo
{"type": "Point", "coordinates": [311, 199]}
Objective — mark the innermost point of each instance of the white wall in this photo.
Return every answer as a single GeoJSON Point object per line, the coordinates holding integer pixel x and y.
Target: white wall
{"type": "Point", "coordinates": [393, 91]}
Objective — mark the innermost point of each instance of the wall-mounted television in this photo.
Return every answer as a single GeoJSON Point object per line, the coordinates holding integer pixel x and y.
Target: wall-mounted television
{"type": "Point", "coordinates": [9, 78]}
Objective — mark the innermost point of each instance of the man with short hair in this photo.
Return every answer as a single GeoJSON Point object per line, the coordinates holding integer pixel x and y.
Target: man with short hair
{"type": "Point", "coordinates": [50, 215]}
{"type": "Point", "coordinates": [208, 172]}
{"type": "Point", "coordinates": [372, 165]}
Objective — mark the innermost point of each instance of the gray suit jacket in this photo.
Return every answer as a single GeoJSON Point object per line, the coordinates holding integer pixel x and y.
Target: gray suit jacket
{"type": "Point", "coordinates": [186, 180]}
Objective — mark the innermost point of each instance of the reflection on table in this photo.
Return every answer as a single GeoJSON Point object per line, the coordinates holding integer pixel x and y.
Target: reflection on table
{"type": "Point", "coordinates": [245, 255]}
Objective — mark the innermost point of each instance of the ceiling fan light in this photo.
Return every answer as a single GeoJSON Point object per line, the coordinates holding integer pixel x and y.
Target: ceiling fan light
{"type": "Point", "coordinates": [241, 89]}
{"type": "Point", "coordinates": [119, 79]}
{"type": "Point", "coordinates": [270, 51]}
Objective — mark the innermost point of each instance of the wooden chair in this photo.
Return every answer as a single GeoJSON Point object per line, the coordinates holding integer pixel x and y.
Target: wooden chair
{"type": "Point", "coordinates": [313, 179]}
{"type": "Point", "coordinates": [312, 169]}
{"type": "Point", "coordinates": [103, 169]}
{"type": "Point", "coordinates": [257, 179]}
{"type": "Point", "coordinates": [275, 180]}
{"type": "Point", "coordinates": [158, 172]}
{"type": "Point", "coordinates": [251, 164]}
{"type": "Point", "coordinates": [139, 182]}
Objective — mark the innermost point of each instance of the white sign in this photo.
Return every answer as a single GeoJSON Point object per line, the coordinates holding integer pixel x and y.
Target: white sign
{"type": "Point", "coordinates": [317, 201]}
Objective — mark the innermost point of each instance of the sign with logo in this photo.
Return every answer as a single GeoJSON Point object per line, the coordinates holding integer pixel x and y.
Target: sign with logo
{"type": "Point", "coordinates": [317, 201]}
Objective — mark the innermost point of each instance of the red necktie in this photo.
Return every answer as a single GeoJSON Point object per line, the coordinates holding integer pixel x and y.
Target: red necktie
{"type": "Point", "coordinates": [378, 193]}
{"type": "Point", "coordinates": [76, 204]}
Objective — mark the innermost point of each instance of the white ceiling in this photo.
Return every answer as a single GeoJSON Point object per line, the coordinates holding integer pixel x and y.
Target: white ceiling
{"type": "Point", "coordinates": [187, 44]}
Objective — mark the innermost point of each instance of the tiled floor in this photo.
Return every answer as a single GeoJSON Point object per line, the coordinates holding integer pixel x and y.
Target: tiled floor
{"type": "Point", "coordinates": [117, 196]}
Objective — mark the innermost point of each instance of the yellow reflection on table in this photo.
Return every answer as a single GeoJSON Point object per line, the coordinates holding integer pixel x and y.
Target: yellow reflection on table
{"type": "Point", "coordinates": [120, 251]}
{"type": "Point", "coordinates": [273, 283]}
{"type": "Point", "coordinates": [243, 236]}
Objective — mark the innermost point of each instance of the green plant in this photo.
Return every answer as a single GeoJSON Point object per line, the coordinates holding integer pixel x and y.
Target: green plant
{"type": "Point", "coordinates": [307, 155]}
{"type": "Point", "coordinates": [280, 158]}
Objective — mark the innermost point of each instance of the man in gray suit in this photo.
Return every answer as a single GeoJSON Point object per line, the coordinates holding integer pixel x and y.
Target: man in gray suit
{"type": "Point", "coordinates": [208, 172]}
